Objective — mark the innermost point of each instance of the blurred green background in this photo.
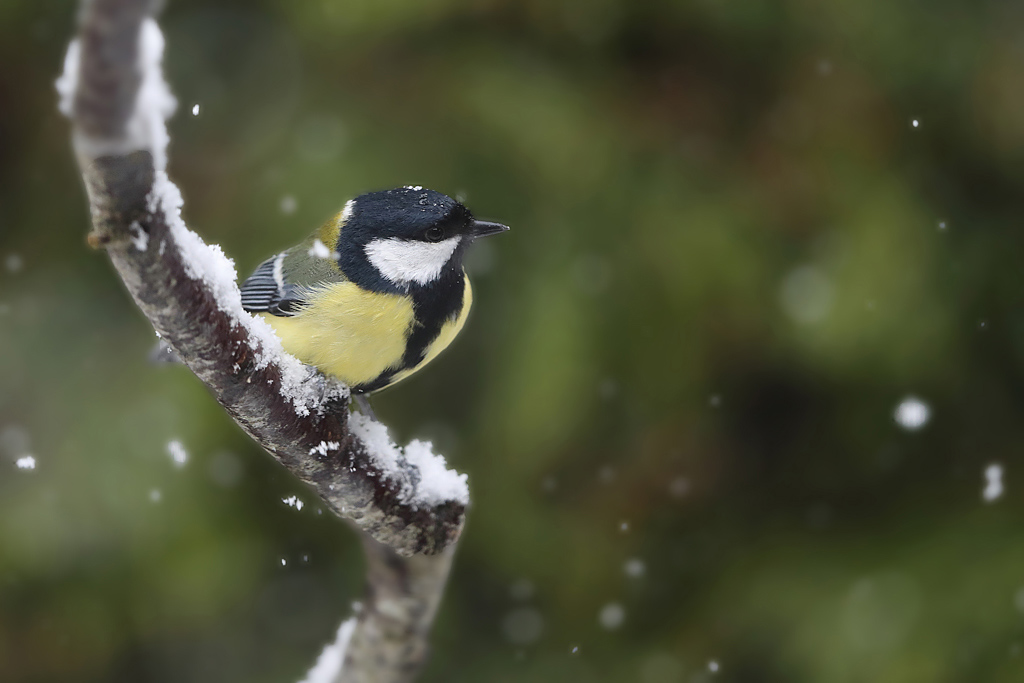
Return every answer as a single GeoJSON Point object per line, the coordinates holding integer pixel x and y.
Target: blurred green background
{"type": "Point", "coordinates": [744, 233]}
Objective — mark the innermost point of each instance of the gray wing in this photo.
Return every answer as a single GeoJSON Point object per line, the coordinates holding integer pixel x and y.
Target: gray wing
{"type": "Point", "coordinates": [267, 291]}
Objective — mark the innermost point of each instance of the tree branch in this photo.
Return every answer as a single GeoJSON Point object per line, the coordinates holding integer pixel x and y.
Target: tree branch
{"type": "Point", "coordinates": [114, 92]}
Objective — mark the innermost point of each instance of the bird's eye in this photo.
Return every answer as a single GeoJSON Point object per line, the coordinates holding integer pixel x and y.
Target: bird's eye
{"type": "Point", "coordinates": [434, 234]}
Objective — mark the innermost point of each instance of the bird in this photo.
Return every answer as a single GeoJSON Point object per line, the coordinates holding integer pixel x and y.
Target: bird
{"type": "Point", "coordinates": [377, 292]}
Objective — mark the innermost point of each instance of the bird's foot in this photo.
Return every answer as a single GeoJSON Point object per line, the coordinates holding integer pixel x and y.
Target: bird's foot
{"type": "Point", "coordinates": [364, 406]}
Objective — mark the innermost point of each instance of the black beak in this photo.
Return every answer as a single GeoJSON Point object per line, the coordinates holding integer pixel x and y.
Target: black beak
{"type": "Point", "coordinates": [485, 228]}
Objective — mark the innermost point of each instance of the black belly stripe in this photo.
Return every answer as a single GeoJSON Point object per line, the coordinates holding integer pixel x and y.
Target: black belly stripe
{"type": "Point", "coordinates": [433, 306]}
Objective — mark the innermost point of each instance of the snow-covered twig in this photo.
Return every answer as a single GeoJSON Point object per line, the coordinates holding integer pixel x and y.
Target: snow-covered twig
{"type": "Point", "coordinates": [328, 664]}
{"type": "Point", "coordinates": [406, 502]}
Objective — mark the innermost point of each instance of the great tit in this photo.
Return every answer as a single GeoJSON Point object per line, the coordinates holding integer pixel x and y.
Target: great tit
{"type": "Point", "coordinates": [377, 292]}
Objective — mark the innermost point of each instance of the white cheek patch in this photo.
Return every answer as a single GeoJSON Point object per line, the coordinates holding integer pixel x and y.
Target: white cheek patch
{"type": "Point", "coordinates": [406, 261]}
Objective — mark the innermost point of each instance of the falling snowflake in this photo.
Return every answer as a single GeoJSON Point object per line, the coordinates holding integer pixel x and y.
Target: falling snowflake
{"type": "Point", "coordinates": [611, 616]}
{"type": "Point", "coordinates": [177, 451]}
{"type": "Point", "coordinates": [993, 490]}
{"type": "Point", "coordinates": [912, 414]}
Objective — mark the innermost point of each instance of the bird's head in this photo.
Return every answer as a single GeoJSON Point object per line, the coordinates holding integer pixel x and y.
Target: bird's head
{"type": "Point", "coordinates": [409, 236]}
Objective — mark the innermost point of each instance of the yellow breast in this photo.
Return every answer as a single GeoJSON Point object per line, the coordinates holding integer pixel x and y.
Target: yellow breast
{"type": "Point", "coordinates": [357, 335]}
{"type": "Point", "coordinates": [348, 332]}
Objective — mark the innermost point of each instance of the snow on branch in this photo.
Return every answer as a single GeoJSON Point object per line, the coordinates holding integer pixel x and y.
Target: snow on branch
{"type": "Point", "coordinates": [144, 129]}
{"type": "Point", "coordinates": [406, 499]}
{"type": "Point", "coordinates": [408, 505]}
{"type": "Point", "coordinates": [328, 665]}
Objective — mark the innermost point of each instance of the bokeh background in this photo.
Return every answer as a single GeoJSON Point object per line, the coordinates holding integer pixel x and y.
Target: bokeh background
{"type": "Point", "coordinates": [744, 234]}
